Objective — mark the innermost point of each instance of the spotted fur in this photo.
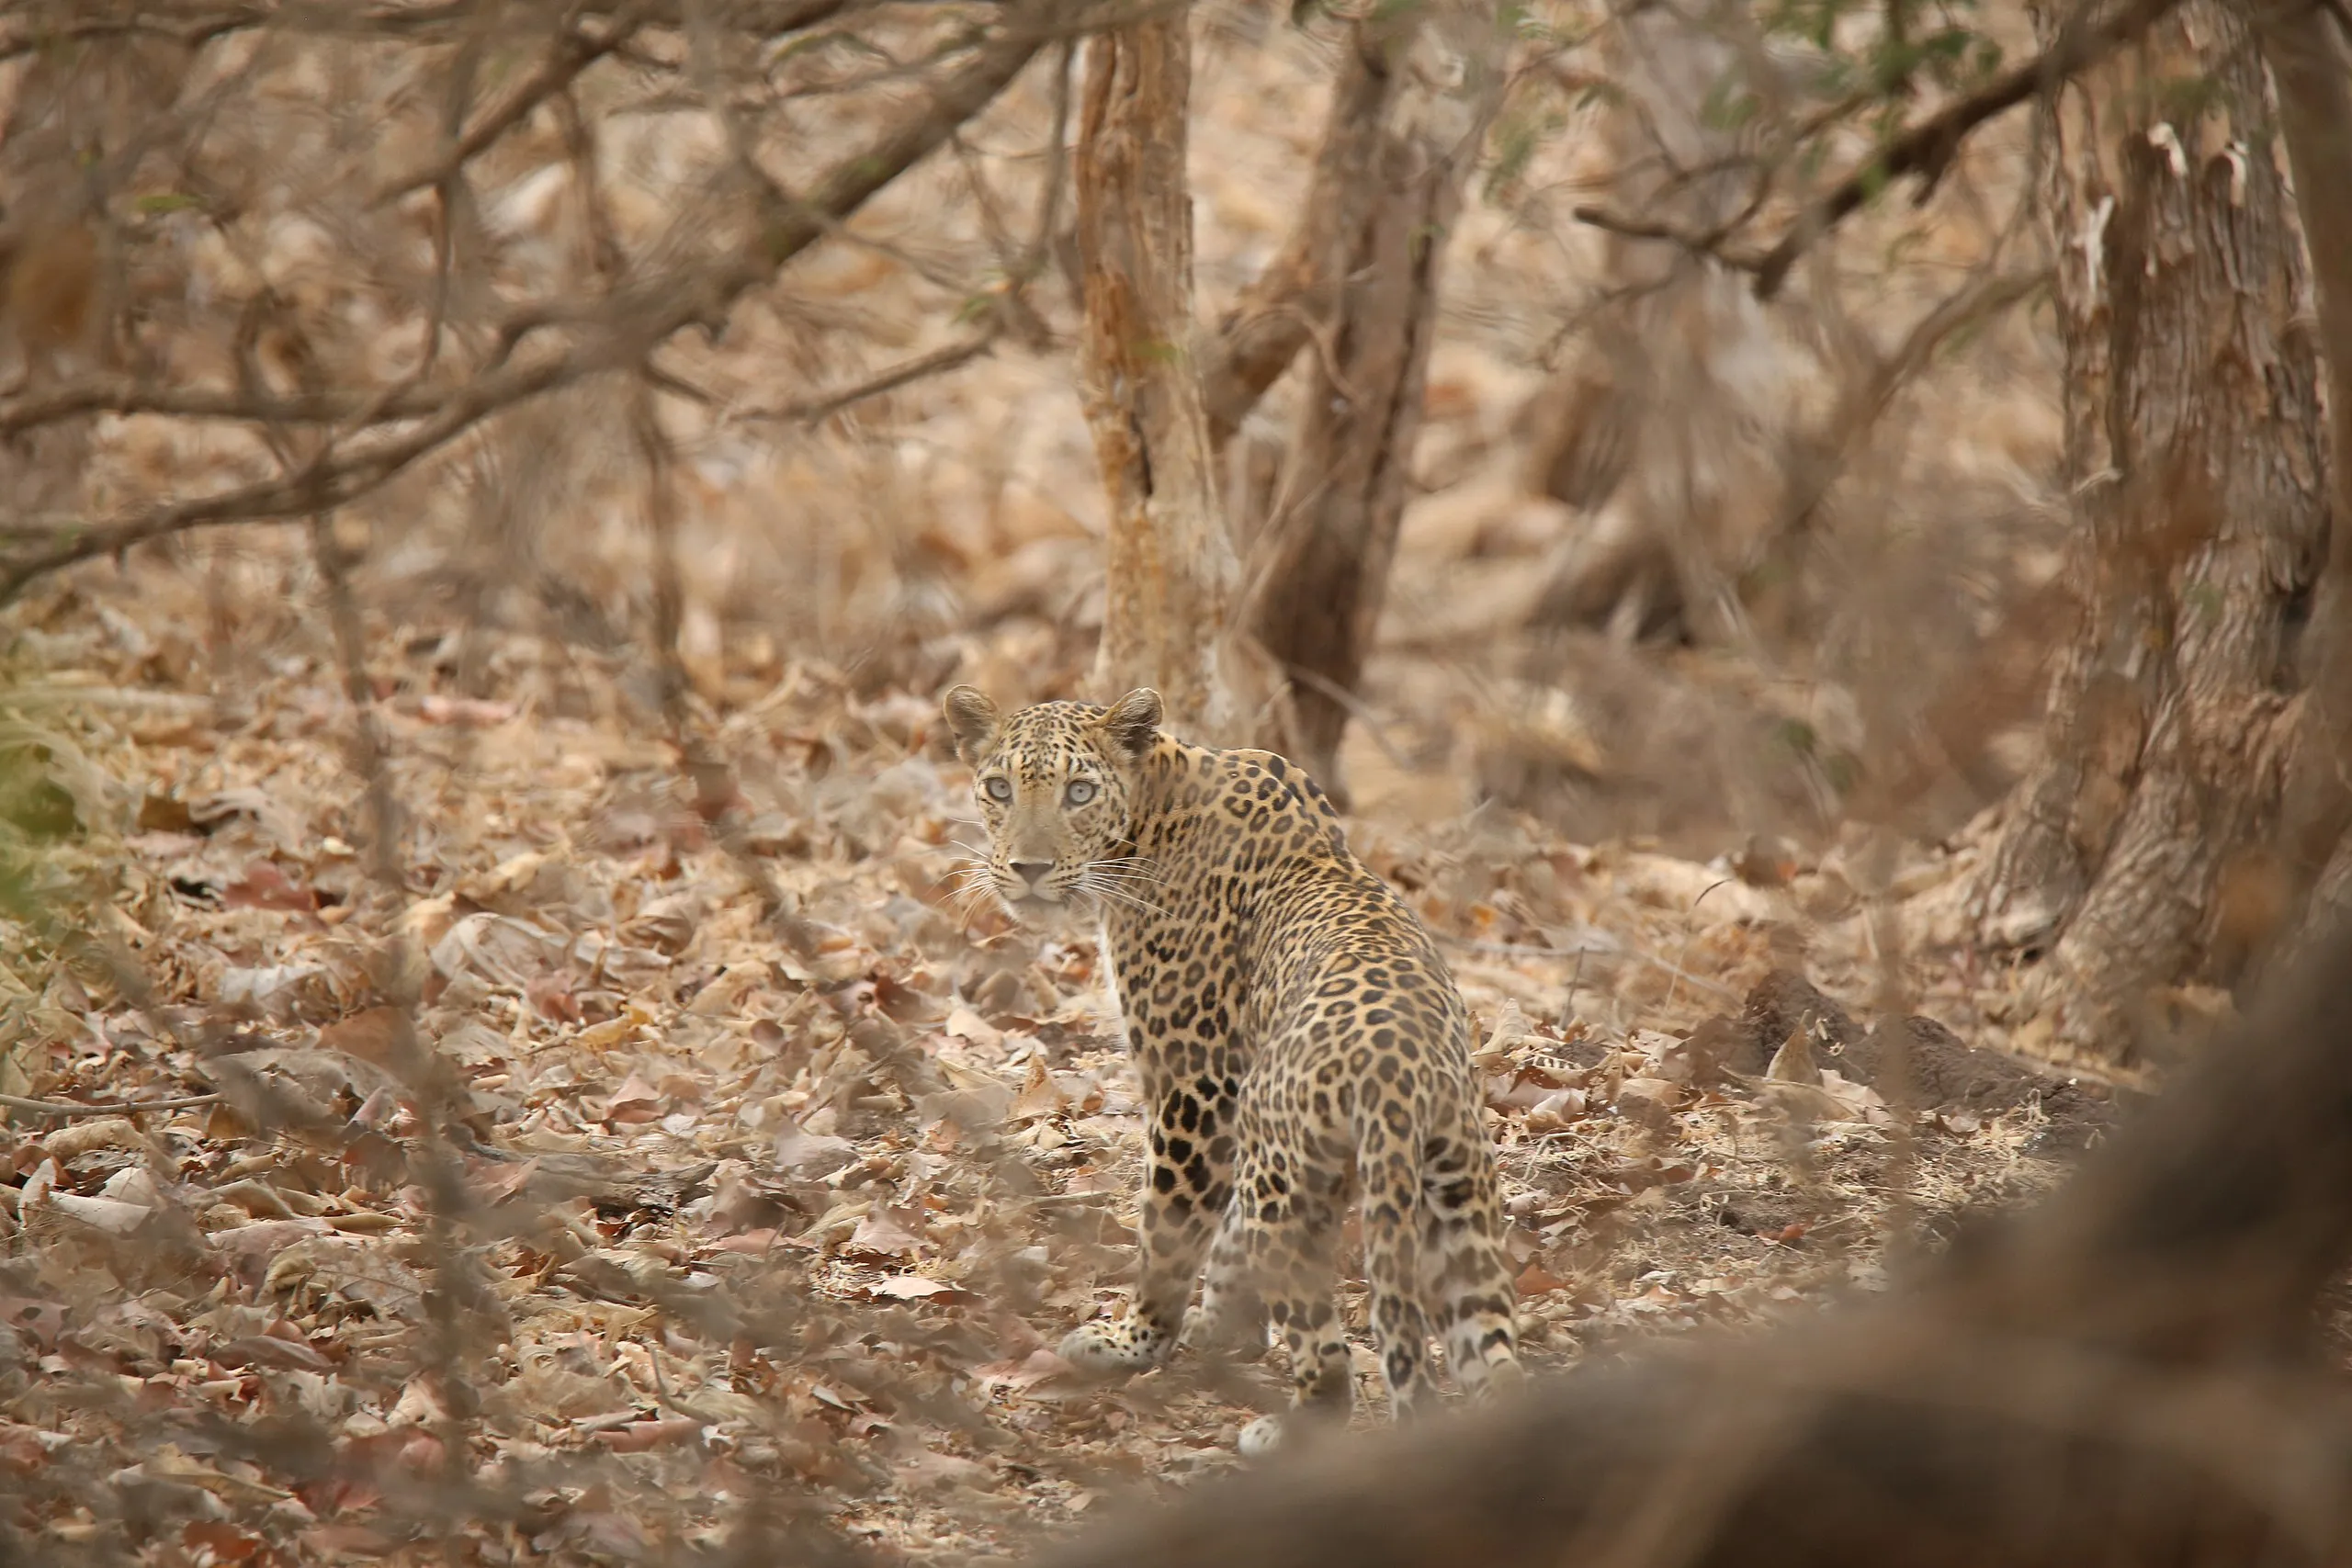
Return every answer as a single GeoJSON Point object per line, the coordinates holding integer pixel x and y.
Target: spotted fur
{"type": "Point", "coordinates": [1299, 1042]}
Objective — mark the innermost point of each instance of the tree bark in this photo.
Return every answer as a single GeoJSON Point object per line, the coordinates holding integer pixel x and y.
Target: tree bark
{"type": "Point", "coordinates": [2193, 443]}
{"type": "Point", "coordinates": [1297, 294]}
{"type": "Point", "coordinates": [1325, 565]}
{"type": "Point", "coordinates": [1172, 570]}
{"type": "Point", "coordinates": [2305, 46]}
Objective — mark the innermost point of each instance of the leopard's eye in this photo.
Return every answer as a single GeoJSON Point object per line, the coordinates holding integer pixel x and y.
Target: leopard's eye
{"type": "Point", "coordinates": [1080, 791]}
{"type": "Point", "coordinates": [999, 788]}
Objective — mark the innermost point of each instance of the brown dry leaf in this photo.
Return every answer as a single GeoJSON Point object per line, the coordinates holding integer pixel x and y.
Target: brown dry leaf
{"type": "Point", "coordinates": [884, 1233]}
{"type": "Point", "coordinates": [550, 996]}
{"type": "Point", "coordinates": [1537, 1280]}
{"type": "Point", "coordinates": [640, 1436]}
{"type": "Point", "coordinates": [916, 1287]}
{"type": "Point", "coordinates": [927, 1470]}
{"type": "Point", "coordinates": [1793, 1062]}
{"type": "Point", "coordinates": [635, 1100]}
{"type": "Point", "coordinates": [805, 1153]}
{"type": "Point", "coordinates": [265, 886]}
{"type": "Point", "coordinates": [1039, 1096]}
{"type": "Point", "coordinates": [374, 1036]}
{"type": "Point", "coordinates": [1035, 1369]}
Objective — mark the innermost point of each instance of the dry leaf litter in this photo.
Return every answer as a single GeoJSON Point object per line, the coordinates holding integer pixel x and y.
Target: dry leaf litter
{"type": "Point", "coordinates": [742, 1223]}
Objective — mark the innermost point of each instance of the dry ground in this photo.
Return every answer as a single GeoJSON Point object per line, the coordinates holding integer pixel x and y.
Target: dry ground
{"type": "Point", "coordinates": [727, 1240]}
{"type": "Point", "coordinates": [744, 1225]}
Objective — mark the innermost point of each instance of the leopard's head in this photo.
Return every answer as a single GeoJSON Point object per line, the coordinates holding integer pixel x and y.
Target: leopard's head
{"type": "Point", "coordinates": [1057, 785]}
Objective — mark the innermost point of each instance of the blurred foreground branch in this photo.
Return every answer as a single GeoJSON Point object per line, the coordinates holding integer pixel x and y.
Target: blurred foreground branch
{"type": "Point", "coordinates": [2115, 1378]}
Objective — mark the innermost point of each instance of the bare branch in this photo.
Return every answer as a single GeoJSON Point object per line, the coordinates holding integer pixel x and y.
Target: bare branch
{"type": "Point", "coordinates": [570, 53]}
{"type": "Point", "coordinates": [1713, 242]}
{"type": "Point", "coordinates": [817, 410]}
{"type": "Point", "coordinates": [617, 337]}
{"type": "Point", "coordinates": [1924, 151]}
{"type": "Point", "coordinates": [1927, 148]}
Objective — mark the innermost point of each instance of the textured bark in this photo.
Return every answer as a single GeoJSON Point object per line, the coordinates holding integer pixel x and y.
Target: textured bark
{"type": "Point", "coordinates": [2310, 57]}
{"type": "Point", "coordinates": [2194, 447]}
{"type": "Point", "coordinates": [1171, 569]}
{"type": "Point", "coordinates": [1326, 564]}
{"type": "Point", "coordinates": [1299, 290]}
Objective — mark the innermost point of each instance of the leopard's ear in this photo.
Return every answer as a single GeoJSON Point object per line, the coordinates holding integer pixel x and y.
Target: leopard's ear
{"type": "Point", "coordinates": [971, 719]}
{"type": "Point", "coordinates": [1132, 723]}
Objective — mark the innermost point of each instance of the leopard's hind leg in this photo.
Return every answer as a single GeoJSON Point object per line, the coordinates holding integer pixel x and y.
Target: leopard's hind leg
{"type": "Point", "coordinates": [1467, 1290]}
{"type": "Point", "coordinates": [1276, 1257]}
{"type": "Point", "coordinates": [1388, 1174]}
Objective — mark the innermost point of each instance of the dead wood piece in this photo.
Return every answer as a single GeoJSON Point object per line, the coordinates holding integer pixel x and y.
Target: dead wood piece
{"type": "Point", "coordinates": [1943, 1071]}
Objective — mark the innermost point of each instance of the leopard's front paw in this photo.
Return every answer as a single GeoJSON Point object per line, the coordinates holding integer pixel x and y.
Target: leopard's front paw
{"type": "Point", "coordinates": [1118, 1347]}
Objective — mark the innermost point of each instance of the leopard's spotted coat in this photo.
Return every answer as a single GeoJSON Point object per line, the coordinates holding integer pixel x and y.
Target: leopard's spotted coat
{"type": "Point", "coordinates": [1298, 1040]}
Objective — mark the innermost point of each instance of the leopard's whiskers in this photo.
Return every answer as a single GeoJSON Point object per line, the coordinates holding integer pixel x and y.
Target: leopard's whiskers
{"type": "Point", "coordinates": [1109, 887]}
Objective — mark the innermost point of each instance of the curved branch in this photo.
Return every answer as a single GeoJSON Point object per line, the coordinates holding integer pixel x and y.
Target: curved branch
{"type": "Point", "coordinates": [619, 338]}
{"type": "Point", "coordinates": [1924, 151]}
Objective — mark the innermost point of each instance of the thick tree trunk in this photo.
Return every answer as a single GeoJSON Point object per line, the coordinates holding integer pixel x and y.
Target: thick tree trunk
{"type": "Point", "coordinates": [1172, 572]}
{"type": "Point", "coordinates": [2305, 44]}
{"type": "Point", "coordinates": [1298, 293]}
{"type": "Point", "coordinates": [1325, 565]}
{"type": "Point", "coordinates": [2195, 449]}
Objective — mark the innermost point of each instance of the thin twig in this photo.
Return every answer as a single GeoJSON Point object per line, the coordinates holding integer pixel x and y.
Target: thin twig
{"type": "Point", "coordinates": [129, 1107]}
{"type": "Point", "coordinates": [817, 410]}
{"type": "Point", "coordinates": [634, 320]}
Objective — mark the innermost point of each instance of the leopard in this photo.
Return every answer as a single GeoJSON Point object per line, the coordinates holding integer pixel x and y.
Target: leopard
{"type": "Point", "coordinates": [1298, 1043]}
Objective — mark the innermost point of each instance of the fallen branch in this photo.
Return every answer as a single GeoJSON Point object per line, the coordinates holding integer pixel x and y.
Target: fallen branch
{"type": "Point", "coordinates": [129, 1107]}
{"type": "Point", "coordinates": [2121, 1377]}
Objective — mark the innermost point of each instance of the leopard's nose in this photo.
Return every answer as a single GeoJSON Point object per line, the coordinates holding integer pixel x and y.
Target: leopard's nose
{"type": "Point", "coordinates": [1033, 872]}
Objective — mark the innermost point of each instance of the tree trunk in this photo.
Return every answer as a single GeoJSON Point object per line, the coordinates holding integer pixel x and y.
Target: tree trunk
{"type": "Point", "coordinates": [1298, 292]}
{"type": "Point", "coordinates": [1651, 429]}
{"type": "Point", "coordinates": [2306, 48]}
{"type": "Point", "coordinates": [2193, 443]}
{"type": "Point", "coordinates": [1172, 572]}
{"type": "Point", "coordinates": [1324, 565]}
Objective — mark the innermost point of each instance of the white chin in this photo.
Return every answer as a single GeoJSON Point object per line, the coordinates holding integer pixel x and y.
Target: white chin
{"type": "Point", "coordinates": [1034, 911]}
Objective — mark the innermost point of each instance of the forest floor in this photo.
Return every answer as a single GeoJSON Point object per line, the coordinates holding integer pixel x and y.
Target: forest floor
{"type": "Point", "coordinates": [741, 1221]}
{"type": "Point", "coordinates": [729, 1221]}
